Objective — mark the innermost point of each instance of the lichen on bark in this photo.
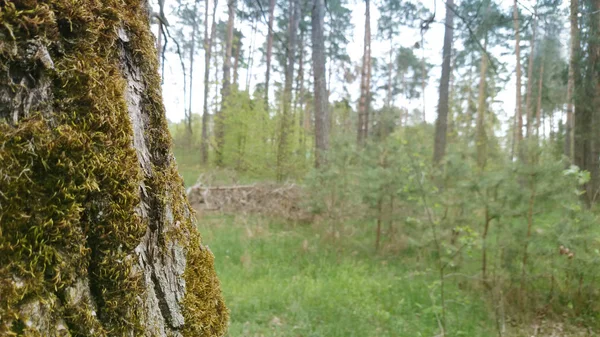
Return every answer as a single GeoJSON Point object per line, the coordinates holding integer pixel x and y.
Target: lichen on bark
{"type": "Point", "coordinates": [96, 235]}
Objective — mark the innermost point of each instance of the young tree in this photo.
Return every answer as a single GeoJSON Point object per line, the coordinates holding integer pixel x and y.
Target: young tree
{"type": "Point", "coordinates": [321, 101]}
{"type": "Point", "coordinates": [97, 234]}
{"type": "Point", "coordinates": [441, 125]}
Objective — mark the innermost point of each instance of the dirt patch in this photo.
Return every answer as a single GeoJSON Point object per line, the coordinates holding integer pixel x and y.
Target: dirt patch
{"type": "Point", "coordinates": [285, 201]}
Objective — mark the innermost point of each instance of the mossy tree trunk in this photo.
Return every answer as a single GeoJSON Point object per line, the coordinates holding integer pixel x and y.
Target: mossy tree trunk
{"type": "Point", "coordinates": [96, 234]}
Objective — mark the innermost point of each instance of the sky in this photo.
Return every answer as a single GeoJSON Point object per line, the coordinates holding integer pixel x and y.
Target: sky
{"type": "Point", "coordinates": [503, 105]}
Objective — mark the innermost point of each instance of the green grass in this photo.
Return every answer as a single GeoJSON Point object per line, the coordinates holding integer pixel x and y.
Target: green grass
{"type": "Point", "coordinates": [286, 280]}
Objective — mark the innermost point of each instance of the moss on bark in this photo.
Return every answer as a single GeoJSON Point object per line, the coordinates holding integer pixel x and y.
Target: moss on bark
{"type": "Point", "coordinates": [70, 178]}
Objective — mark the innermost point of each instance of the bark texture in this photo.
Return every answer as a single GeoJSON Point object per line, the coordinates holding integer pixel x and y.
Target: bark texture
{"type": "Point", "coordinates": [441, 125]}
{"type": "Point", "coordinates": [96, 236]}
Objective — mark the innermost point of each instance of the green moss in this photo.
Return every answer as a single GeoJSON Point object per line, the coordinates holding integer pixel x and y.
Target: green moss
{"type": "Point", "coordinates": [69, 183]}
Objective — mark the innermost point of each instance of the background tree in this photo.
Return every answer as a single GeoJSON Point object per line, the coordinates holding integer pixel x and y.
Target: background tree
{"type": "Point", "coordinates": [441, 125]}
{"type": "Point", "coordinates": [320, 90]}
{"type": "Point", "coordinates": [365, 80]}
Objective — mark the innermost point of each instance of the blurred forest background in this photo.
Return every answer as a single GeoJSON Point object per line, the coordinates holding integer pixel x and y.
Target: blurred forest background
{"type": "Point", "coordinates": [480, 221]}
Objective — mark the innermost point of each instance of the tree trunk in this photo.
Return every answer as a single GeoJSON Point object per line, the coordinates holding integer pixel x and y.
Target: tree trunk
{"type": "Point", "coordinates": [225, 90]}
{"type": "Point", "coordinates": [269, 51]}
{"type": "Point", "coordinates": [586, 114]}
{"type": "Point", "coordinates": [530, 76]}
{"type": "Point", "coordinates": [481, 139]}
{"type": "Point", "coordinates": [97, 235]}
{"type": "Point", "coordinates": [470, 103]}
{"type": "Point", "coordinates": [208, 42]}
{"type": "Point", "coordinates": [299, 102]}
{"type": "Point", "coordinates": [441, 125]}
{"type": "Point", "coordinates": [388, 99]}
{"type": "Point", "coordinates": [573, 61]}
{"type": "Point", "coordinates": [538, 114]}
{"type": "Point", "coordinates": [286, 125]}
{"type": "Point", "coordinates": [321, 100]}
{"type": "Point", "coordinates": [365, 85]}
{"type": "Point", "coordinates": [192, 54]}
{"type": "Point", "coordinates": [518, 132]}
{"type": "Point", "coordinates": [236, 62]}
{"type": "Point", "coordinates": [423, 78]}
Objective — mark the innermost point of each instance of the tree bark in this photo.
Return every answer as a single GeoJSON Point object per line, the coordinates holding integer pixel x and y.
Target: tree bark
{"type": "Point", "coordinates": [321, 100]}
{"type": "Point", "coordinates": [441, 125]}
{"type": "Point", "coordinates": [365, 85]}
{"type": "Point", "coordinates": [269, 51]}
{"type": "Point", "coordinates": [208, 43]}
{"type": "Point", "coordinates": [97, 235]}
{"type": "Point", "coordinates": [225, 90]}
{"type": "Point", "coordinates": [573, 62]}
{"type": "Point", "coordinates": [528, 102]}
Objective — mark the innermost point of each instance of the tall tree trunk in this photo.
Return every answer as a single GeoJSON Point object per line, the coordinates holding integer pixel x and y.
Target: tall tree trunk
{"type": "Point", "coordinates": [481, 138]}
{"type": "Point", "coordinates": [225, 90]}
{"type": "Point", "coordinates": [365, 85]}
{"type": "Point", "coordinates": [109, 245]}
{"type": "Point", "coordinates": [269, 51]}
{"type": "Point", "coordinates": [192, 54]}
{"type": "Point", "coordinates": [423, 78]}
{"type": "Point", "coordinates": [538, 114]}
{"type": "Point", "coordinates": [441, 125]}
{"type": "Point", "coordinates": [592, 88]}
{"type": "Point", "coordinates": [285, 125]}
{"type": "Point", "coordinates": [208, 43]}
{"type": "Point", "coordinates": [389, 97]}
{"type": "Point", "coordinates": [518, 132]}
{"type": "Point", "coordinates": [299, 99]}
{"type": "Point", "coordinates": [236, 62]}
{"type": "Point", "coordinates": [573, 63]}
{"type": "Point", "coordinates": [471, 110]}
{"type": "Point", "coordinates": [528, 102]}
{"type": "Point", "coordinates": [321, 100]}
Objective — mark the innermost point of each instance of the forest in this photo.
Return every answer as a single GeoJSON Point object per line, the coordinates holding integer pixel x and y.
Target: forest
{"type": "Point", "coordinates": [299, 168]}
{"type": "Point", "coordinates": [448, 143]}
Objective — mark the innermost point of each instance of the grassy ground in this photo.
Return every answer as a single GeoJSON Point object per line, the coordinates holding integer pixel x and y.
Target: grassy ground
{"type": "Point", "coordinates": [286, 280]}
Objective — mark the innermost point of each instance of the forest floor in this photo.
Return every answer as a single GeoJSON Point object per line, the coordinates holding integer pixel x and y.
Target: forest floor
{"type": "Point", "coordinates": [285, 279]}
